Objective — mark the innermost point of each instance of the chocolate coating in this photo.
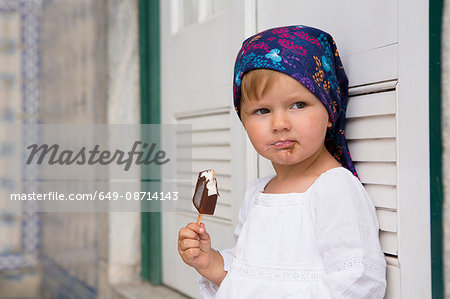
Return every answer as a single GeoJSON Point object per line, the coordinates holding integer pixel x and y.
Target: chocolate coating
{"type": "Point", "coordinates": [203, 203]}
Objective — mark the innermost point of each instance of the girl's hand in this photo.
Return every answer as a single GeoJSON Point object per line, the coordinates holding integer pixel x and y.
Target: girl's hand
{"type": "Point", "coordinates": [194, 246]}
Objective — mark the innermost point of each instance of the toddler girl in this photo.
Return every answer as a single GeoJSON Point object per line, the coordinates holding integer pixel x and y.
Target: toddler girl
{"type": "Point", "coordinates": [311, 230]}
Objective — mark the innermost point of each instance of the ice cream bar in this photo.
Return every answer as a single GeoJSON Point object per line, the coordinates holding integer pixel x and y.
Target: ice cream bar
{"type": "Point", "coordinates": [206, 193]}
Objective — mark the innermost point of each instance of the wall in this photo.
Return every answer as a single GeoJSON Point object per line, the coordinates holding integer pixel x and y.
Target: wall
{"type": "Point", "coordinates": [120, 258]}
{"type": "Point", "coordinates": [71, 62]}
{"type": "Point", "coordinates": [90, 75]}
{"type": "Point", "coordinates": [73, 91]}
{"type": "Point", "coordinates": [19, 100]}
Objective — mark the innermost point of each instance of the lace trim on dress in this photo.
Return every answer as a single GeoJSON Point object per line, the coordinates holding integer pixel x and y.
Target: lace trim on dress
{"type": "Point", "coordinates": [282, 199]}
{"type": "Point", "coordinates": [267, 273]}
{"type": "Point", "coordinates": [348, 262]}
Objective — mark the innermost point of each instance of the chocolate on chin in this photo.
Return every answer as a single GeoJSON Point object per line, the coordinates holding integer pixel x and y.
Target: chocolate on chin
{"type": "Point", "coordinates": [206, 192]}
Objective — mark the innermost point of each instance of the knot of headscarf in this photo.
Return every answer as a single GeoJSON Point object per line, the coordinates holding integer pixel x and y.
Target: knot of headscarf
{"type": "Point", "coordinates": [310, 56]}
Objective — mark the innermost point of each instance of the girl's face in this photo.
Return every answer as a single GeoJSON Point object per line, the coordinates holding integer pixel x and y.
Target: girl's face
{"type": "Point", "coordinates": [286, 125]}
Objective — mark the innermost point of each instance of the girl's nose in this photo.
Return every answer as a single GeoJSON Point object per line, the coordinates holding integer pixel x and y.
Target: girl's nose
{"type": "Point", "coordinates": [280, 121]}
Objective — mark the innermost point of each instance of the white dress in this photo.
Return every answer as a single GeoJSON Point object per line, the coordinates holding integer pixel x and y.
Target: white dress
{"type": "Point", "coordinates": [319, 244]}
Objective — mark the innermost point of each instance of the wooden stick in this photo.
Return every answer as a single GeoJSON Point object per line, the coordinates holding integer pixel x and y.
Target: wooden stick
{"type": "Point", "coordinates": [199, 218]}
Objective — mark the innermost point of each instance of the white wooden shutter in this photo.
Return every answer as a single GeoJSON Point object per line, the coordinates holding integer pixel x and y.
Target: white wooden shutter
{"type": "Point", "coordinates": [199, 41]}
{"type": "Point", "coordinates": [211, 149]}
{"type": "Point", "coordinates": [371, 135]}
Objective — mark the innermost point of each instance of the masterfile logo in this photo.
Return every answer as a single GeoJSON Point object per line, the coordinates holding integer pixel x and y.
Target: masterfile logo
{"type": "Point", "coordinates": [52, 155]}
{"type": "Point", "coordinates": [99, 152]}
{"type": "Point", "coordinates": [97, 168]}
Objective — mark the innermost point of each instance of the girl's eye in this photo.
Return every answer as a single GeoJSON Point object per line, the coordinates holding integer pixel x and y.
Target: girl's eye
{"type": "Point", "coordinates": [299, 105]}
{"type": "Point", "coordinates": [262, 111]}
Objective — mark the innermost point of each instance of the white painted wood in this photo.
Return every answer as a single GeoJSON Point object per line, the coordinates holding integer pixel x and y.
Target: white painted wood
{"type": "Point", "coordinates": [392, 261]}
{"type": "Point", "coordinates": [371, 104]}
{"type": "Point", "coordinates": [211, 137]}
{"type": "Point", "coordinates": [265, 167]}
{"type": "Point", "coordinates": [196, 88]}
{"type": "Point", "coordinates": [393, 290]}
{"type": "Point", "coordinates": [357, 26]}
{"type": "Point", "coordinates": [203, 112]}
{"type": "Point", "coordinates": [388, 220]}
{"type": "Point", "coordinates": [372, 87]}
{"type": "Point", "coordinates": [383, 196]}
{"type": "Point", "coordinates": [413, 150]}
{"type": "Point", "coordinates": [377, 173]}
{"type": "Point", "coordinates": [222, 211]}
{"type": "Point", "coordinates": [198, 120]}
{"type": "Point", "coordinates": [251, 156]}
{"type": "Point", "coordinates": [389, 242]}
{"type": "Point", "coordinates": [212, 153]}
{"type": "Point", "coordinates": [377, 150]}
{"type": "Point", "coordinates": [250, 18]}
{"type": "Point", "coordinates": [382, 63]}
{"type": "Point", "coordinates": [370, 127]}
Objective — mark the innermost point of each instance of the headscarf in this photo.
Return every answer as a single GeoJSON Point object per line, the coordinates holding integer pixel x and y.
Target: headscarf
{"type": "Point", "coordinates": [310, 56]}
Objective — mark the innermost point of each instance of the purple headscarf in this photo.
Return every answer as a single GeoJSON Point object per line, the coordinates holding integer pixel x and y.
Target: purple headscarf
{"type": "Point", "coordinates": [310, 56]}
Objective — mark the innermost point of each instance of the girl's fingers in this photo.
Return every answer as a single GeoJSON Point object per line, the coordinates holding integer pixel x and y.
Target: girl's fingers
{"type": "Point", "coordinates": [189, 243]}
{"type": "Point", "coordinates": [192, 252]}
{"type": "Point", "coordinates": [202, 232]}
{"type": "Point", "coordinates": [200, 229]}
{"type": "Point", "coordinates": [193, 226]}
{"type": "Point", "coordinates": [186, 233]}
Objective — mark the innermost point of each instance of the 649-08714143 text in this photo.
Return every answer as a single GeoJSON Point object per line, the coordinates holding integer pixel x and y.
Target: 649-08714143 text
{"type": "Point", "coordinates": [97, 195]}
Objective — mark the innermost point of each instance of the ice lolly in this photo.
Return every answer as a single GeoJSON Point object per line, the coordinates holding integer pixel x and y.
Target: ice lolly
{"type": "Point", "coordinates": [206, 193]}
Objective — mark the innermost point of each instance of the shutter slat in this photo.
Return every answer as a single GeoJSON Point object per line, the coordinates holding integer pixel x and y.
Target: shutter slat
{"type": "Point", "coordinates": [216, 137]}
{"type": "Point", "coordinates": [382, 63]}
{"type": "Point", "coordinates": [372, 88]}
{"type": "Point", "coordinates": [370, 127]}
{"type": "Point", "coordinates": [377, 173]}
{"type": "Point", "coordinates": [388, 241]}
{"type": "Point", "coordinates": [380, 103]}
{"type": "Point", "coordinates": [388, 220]}
{"type": "Point", "coordinates": [377, 150]}
{"type": "Point", "coordinates": [382, 196]}
{"type": "Point", "coordinates": [208, 122]}
{"type": "Point", "coordinates": [211, 153]}
{"type": "Point", "coordinates": [393, 285]}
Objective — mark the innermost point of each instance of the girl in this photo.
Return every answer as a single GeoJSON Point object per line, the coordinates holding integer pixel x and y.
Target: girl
{"type": "Point", "coordinates": [311, 230]}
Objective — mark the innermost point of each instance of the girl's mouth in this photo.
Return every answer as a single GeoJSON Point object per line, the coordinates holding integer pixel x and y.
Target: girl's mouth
{"type": "Point", "coordinates": [280, 144]}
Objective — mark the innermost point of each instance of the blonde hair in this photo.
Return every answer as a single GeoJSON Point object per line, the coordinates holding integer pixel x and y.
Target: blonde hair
{"type": "Point", "coordinates": [256, 83]}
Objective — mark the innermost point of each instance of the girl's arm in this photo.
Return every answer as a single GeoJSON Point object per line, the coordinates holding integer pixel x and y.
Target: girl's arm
{"type": "Point", "coordinates": [194, 247]}
{"type": "Point", "coordinates": [215, 268]}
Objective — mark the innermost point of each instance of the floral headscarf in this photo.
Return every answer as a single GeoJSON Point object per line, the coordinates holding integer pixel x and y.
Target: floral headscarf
{"type": "Point", "coordinates": [310, 56]}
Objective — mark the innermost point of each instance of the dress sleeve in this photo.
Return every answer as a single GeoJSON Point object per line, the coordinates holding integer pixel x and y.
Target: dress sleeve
{"type": "Point", "coordinates": [207, 288]}
{"type": "Point", "coordinates": [347, 236]}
